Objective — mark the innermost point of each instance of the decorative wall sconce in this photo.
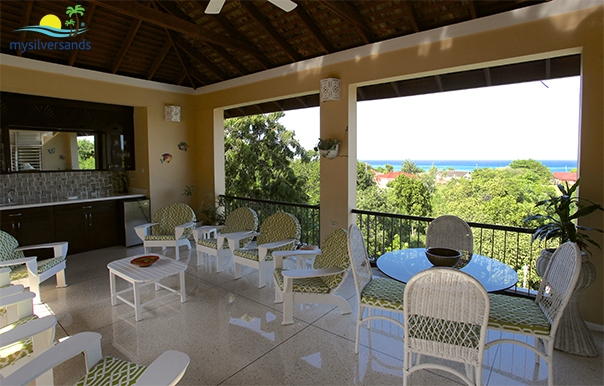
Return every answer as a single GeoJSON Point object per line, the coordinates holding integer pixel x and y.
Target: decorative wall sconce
{"type": "Point", "coordinates": [172, 113]}
{"type": "Point", "coordinates": [330, 89]}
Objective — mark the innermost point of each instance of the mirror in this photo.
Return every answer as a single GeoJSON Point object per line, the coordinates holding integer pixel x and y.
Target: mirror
{"type": "Point", "coordinates": [35, 150]}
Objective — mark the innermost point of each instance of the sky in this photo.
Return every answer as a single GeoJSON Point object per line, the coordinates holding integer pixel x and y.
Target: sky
{"type": "Point", "coordinates": [537, 120]}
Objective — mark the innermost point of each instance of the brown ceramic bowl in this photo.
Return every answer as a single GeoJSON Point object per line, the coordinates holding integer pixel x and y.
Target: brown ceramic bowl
{"type": "Point", "coordinates": [443, 257]}
{"type": "Point", "coordinates": [144, 261]}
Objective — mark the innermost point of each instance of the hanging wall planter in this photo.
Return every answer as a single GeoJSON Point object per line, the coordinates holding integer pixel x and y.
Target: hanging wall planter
{"type": "Point", "coordinates": [328, 148]}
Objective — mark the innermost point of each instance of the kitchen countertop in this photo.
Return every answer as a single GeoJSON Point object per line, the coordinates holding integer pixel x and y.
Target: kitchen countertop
{"type": "Point", "coordinates": [71, 201]}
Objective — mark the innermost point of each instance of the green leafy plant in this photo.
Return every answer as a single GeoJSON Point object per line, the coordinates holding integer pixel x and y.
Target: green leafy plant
{"type": "Point", "coordinates": [188, 191]}
{"type": "Point", "coordinates": [327, 144]}
{"type": "Point", "coordinates": [209, 211]}
{"type": "Point", "coordinates": [561, 224]}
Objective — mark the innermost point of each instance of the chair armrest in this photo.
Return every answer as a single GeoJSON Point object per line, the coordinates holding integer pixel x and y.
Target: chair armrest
{"type": "Point", "coordinates": [142, 230]}
{"type": "Point", "coordinates": [23, 260]}
{"type": "Point", "coordinates": [15, 298]}
{"type": "Point", "coordinates": [180, 229]}
{"type": "Point", "coordinates": [264, 248]}
{"type": "Point", "coordinates": [233, 238]}
{"type": "Point", "coordinates": [10, 290]}
{"type": "Point", "coordinates": [305, 273]}
{"type": "Point", "coordinates": [28, 329]}
{"type": "Point", "coordinates": [87, 342]}
{"type": "Point", "coordinates": [167, 369]}
{"type": "Point", "coordinates": [60, 248]}
{"type": "Point", "coordinates": [278, 256]}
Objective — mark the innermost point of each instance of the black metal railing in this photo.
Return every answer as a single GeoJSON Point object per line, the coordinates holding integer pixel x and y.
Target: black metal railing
{"type": "Point", "coordinates": [307, 215]}
{"type": "Point", "coordinates": [385, 232]}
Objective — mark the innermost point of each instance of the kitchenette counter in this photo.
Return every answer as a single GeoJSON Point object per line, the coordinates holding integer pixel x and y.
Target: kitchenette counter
{"type": "Point", "coordinates": [66, 201]}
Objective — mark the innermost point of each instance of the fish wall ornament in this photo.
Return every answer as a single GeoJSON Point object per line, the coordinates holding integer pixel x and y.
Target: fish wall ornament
{"type": "Point", "coordinates": [166, 157]}
{"type": "Point", "coordinates": [51, 151]}
{"type": "Point", "coordinates": [183, 146]}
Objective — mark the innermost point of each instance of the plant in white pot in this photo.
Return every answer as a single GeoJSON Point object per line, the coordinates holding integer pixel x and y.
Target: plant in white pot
{"type": "Point", "coordinates": [328, 147]}
{"type": "Point", "coordinates": [560, 223]}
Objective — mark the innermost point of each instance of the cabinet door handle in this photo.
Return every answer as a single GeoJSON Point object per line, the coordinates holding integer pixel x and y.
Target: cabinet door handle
{"type": "Point", "coordinates": [18, 225]}
{"type": "Point", "coordinates": [87, 207]}
{"type": "Point", "coordinates": [15, 215]}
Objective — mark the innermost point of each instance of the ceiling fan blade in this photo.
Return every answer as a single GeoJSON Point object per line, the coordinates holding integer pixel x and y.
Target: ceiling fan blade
{"type": "Point", "coordinates": [286, 5]}
{"type": "Point", "coordinates": [214, 7]}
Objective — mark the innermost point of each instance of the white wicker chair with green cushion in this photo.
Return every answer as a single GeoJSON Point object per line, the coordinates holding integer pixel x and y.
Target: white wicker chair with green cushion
{"type": "Point", "coordinates": [172, 227]}
{"type": "Point", "coordinates": [316, 285]}
{"type": "Point", "coordinates": [279, 232]}
{"type": "Point", "coordinates": [450, 232]}
{"type": "Point", "coordinates": [25, 335]}
{"type": "Point", "coordinates": [166, 370]}
{"type": "Point", "coordinates": [239, 222]}
{"type": "Point", "coordinates": [446, 315]}
{"type": "Point", "coordinates": [372, 293]}
{"type": "Point", "coordinates": [539, 318]}
{"type": "Point", "coordinates": [28, 270]}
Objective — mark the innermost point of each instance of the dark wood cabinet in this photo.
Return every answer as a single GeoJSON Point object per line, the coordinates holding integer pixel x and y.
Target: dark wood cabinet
{"type": "Point", "coordinates": [87, 226]}
{"type": "Point", "coordinates": [29, 225]}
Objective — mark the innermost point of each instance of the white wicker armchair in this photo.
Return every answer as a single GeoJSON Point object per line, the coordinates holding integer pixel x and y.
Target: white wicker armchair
{"type": "Point", "coordinates": [446, 316]}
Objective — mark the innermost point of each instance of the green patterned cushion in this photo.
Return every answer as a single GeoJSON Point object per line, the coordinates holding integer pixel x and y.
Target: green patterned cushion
{"type": "Point", "coordinates": [112, 372]}
{"type": "Point", "coordinates": [334, 253]}
{"type": "Point", "coordinates": [211, 243]}
{"type": "Point", "coordinates": [7, 245]}
{"type": "Point", "coordinates": [312, 284]}
{"type": "Point", "coordinates": [252, 254]}
{"type": "Point", "coordinates": [169, 217]}
{"type": "Point", "coordinates": [386, 293]}
{"type": "Point", "coordinates": [21, 349]}
{"type": "Point", "coordinates": [20, 271]}
{"type": "Point", "coordinates": [515, 314]}
{"type": "Point", "coordinates": [159, 237]}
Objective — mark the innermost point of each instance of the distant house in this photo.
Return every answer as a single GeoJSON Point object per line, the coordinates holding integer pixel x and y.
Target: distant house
{"type": "Point", "coordinates": [565, 177]}
{"type": "Point", "coordinates": [448, 175]}
{"type": "Point", "coordinates": [383, 179]}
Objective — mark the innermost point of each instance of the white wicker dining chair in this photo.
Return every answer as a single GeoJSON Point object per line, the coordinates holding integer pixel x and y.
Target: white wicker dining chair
{"type": "Point", "coordinates": [539, 318]}
{"type": "Point", "coordinates": [372, 293]}
{"type": "Point", "coordinates": [446, 316]}
{"type": "Point", "coordinates": [450, 232]}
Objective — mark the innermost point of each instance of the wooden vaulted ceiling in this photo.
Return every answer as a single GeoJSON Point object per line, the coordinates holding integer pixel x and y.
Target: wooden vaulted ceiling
{"type": "Point", "coordinates": [175, 42]}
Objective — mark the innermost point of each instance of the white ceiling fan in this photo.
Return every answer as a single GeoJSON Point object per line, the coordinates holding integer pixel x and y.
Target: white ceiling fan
{"type": "Point", "coordinates": [215, 6]}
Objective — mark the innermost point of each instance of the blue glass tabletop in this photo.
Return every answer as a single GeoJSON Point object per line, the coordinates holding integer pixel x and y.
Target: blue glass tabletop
{"type": "Point", "coordinates": [403, 264]}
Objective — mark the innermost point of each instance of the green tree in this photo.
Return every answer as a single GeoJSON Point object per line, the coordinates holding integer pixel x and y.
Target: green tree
{"type": "Point", "coordinates": [259, 156]}
{"type": "Point", "coordinates": [534, 170]}
{"type": "Point", "coordinates": [365, 176]}
{"type": "Point", "coordinates": [429, 179]}
{"type": "Point", "coordinates": [411, 196]}
{"type": "Point", "coordinates": [411, 167]}
{"type": "Point", "coordinates": [311, 173]}
{"type": "Point", "coordinates": [86, 154]}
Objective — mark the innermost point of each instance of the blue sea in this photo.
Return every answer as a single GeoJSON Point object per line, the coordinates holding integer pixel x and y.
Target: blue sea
{"type": "Point", "coordinates": [470, 165]}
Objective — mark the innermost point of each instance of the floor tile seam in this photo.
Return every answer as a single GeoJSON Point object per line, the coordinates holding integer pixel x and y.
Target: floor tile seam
{"type": "Point", "coordinates": [209, 283]}
{"type": "Point", "coordinates": [264, 354]}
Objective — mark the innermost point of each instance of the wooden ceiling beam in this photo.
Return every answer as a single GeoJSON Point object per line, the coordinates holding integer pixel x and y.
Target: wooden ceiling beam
{"type": "Point", "coordinates": [173, 23]}
{"type": "Point", "coordinates": [126, 45]}
{"type": "Point", "coordinates": [174, 10]}
{"type": "Point", "coordinates": [171, 37]}
{"type": "Point", "coordinates": [159, 58]}
{"type": "Point", "coordinates": [86, 21]}
{"type": "Point", "coordinates": [473, 9]}
{"type": "Point", "coordinates": [412, 16]}
{"type": "Point", "coordinates": [192, 51]}
{"type": "Point", "coordinates": [314, 30]}
{"type": "Point", "coordinates": [27, 6]}
{"type": "Point", "coordinates": [351, 14]}
{"type": "Point", "coordinates": [271, 31]}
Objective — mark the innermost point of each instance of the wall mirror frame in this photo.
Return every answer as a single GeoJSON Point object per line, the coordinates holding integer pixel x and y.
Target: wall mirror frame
{"type": "Point", "coordinates": [41, 134]}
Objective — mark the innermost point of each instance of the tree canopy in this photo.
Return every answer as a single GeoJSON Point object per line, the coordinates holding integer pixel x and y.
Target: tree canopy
{"type": "Point", "coordinates": [411, 167]}
{"type": "Point", "coordinates": [259, 156]}
{"type": "Point", "coordinates": [411, 196]}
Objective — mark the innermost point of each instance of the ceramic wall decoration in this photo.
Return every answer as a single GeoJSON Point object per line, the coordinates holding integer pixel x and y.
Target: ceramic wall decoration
{"type": "Point", "coordinates": [166, 157]}
{"type": "Point", "coordinates": [183, 146]}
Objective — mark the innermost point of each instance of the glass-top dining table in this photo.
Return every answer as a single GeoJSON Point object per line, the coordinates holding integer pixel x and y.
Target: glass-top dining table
{"type": "Point", "coordinates": [402, 264]}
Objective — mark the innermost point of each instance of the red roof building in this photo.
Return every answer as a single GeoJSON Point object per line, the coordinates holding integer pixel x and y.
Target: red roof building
{"type": "Point", "coordinates": [565, 176]}
{"type": "Point", "coordinates": [383, 179]}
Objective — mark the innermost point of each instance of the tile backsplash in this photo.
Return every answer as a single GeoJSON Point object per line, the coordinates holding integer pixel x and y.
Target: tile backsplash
{"type": "Point", "coordinates": [30, 188]}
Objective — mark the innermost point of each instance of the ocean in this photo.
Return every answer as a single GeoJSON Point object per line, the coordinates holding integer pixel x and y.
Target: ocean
{"type": "Point", "coordinates": [470, 165]}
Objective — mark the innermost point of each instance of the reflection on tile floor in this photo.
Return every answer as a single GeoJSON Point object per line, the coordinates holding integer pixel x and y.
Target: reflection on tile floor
{"type": "Point", "coordinates": [233, 334]}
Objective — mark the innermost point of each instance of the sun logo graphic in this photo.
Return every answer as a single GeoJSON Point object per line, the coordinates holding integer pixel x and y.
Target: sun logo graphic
{"type": "Point", "coordinates": [50, 24]}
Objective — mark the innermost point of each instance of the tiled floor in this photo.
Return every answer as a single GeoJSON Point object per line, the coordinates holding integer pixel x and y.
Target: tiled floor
{"type": "Point", "coordinates": [233, 334]}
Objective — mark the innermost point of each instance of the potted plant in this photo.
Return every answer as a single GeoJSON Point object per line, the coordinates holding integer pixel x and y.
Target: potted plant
{"type": "Point", "coordinates": [328, 147]}
{"type": "Point", "coordinates": [560, 224]}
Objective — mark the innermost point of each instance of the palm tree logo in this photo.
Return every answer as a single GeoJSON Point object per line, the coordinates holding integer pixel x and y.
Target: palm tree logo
{"type": "Point", "coordinates": [78, 10]}
{"type": "Point", "coordinates": [70, 23]}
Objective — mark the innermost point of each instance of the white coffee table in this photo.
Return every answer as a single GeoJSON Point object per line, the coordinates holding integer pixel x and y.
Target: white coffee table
{"type": "Point", "coordinates": [143, 276]}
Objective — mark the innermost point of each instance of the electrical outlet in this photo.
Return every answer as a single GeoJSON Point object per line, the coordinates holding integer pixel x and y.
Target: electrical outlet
{"type": "Point", "coordinates": [333, 224]}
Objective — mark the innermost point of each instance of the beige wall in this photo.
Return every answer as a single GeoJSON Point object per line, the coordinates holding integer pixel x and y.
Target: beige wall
{"type": "Point", "coordinates": [580, 31]}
